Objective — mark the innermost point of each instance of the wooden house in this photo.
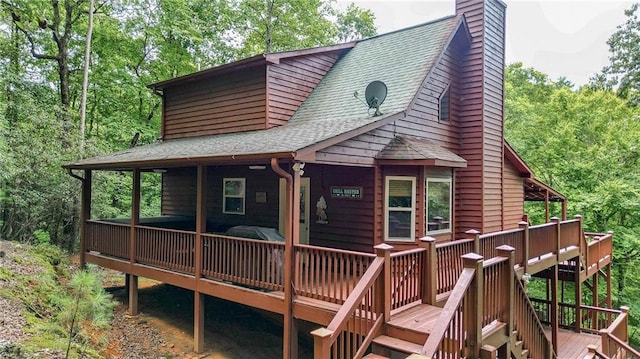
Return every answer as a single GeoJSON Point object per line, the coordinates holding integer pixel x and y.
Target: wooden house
{"type": "Point", "coordinates": [402, 232]}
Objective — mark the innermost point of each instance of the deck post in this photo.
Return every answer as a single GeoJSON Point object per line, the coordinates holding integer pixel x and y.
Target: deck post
{"type": "Point", "coordinates": [198, 322]}
{"type": "Point", "coordinates": [429, 279]}
{"type": "Point", "coordinates": [473, 316]}
{"type": "Point", "coordinates": [135, 220]}
{"type": "Point", "coordinates": [476, 240]}
{"type": "Point", "coordinates": [577, 296]}
{"type": "Point", "coordinates": [384, 250]}
{"type": "Point", "coordinates": [488, 352]}
{"type": "Point", "coordinates": [201, 226]}
{"type": "Point", "coordinates": [133, 294]}
{"type": "Point", "coordinates": [595, 295]}
{"type": "Point", "coordinates": [85, 216]}
{"type": "Point", "coordinates": [556, 220]}
{"type": "Point", "coordinates": [608, 271]}
{"type": "Point", "coordinates": [525, 228]}
{"type": "Point", "coordinates": [508, 317]}
{"type": "Point", "coordinates": [321, 340]}
{"type": "Point", "coordinates": [554, 307]}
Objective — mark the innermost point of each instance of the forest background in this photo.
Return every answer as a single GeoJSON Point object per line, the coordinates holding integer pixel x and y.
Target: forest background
{"type": "Point", "coordinates": [583, 141]}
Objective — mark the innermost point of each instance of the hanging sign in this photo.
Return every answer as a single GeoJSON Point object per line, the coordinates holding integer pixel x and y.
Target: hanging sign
{"type": "Point", "coordinates": [347, 192]}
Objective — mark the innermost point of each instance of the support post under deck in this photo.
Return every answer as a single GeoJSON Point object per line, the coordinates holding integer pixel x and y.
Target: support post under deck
{"type": "Point", "coordinates": [135, 220]}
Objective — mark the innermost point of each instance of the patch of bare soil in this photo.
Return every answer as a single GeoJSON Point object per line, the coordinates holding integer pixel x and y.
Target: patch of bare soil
{"type": "Point", "coordinates": [164, 327]}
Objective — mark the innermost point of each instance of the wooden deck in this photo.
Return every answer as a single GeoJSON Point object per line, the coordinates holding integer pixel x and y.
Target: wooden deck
{"type": "Point", "coordinates": [362, 298]}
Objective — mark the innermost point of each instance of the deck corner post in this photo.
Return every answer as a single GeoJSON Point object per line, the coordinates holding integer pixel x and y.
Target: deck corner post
{"type": "Point", "coordinates": [604, 342]}
{"type": "Point", "coordinates": [488, 352]}
{"type": "Point", "coordinates": [509, 252]}
{"type": "Point", "coordinates": [429, 282]}
{"type": "Point", "coordinates": [322, 343]}
{"type": "Point", "coordinates": [473, 315]}
{"type": "Point", "coordinates": [525, 228]}
{"type": "Point", "coordinates": [85, 215]}
{"type": "Point", "coordinates": [384, 251]}
{"type": "Point", "coordinates": [476, 239]}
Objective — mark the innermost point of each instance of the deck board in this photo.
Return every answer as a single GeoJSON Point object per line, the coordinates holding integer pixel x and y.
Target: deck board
{"type": "Point", "coordinates": [572, 345]}
{"type": "Point", "coordinates": [420, 318]}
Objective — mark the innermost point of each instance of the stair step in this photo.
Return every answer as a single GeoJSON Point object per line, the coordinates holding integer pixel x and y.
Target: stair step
{"type": "Point", "coordinates": [398, 345]}
{"type": "Point", "coordinates": [374, 356]}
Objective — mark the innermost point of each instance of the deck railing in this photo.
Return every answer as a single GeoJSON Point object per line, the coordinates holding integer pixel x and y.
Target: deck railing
{"type": "Point", "coordinates": [166, 248]}
{"type": "Point", "coordinates": [495, 293]}
{"type": "Point", "coordinates": [593, 319]}
{"type": "Point", "coordinates": [570, 233]}
{"type": "Point", "coordinates": [529, 327]}
{"type": "Point", "coordinates": [542, 240]}
{"type": "Point", "coordinates": [362, 315]}
{"type": "Point", "coordinates": [328, 274]}
{"type": "Point", "coordinates": [407, 274]}
{"type": "Point", "coordinates": [598, 247]}
{"type": "Point", "coordinates": [243, 261]}
{"type": "Point", "coordinates": [108, 238]}
{"type": "Point", "coordinates": [514, 238]}
{"type": "Point", "coordinates": [450, 263]}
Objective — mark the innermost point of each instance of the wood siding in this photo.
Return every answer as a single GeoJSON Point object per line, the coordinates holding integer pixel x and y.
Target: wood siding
{"type": "Point", "coordinates": [512, 196]}
{"type": "Point", "coordinates": [179, 192]}
{"type": "Point", "coordinates": [479, 189]}
{"type": "Point", "coordinates": [227, 103]}
{"type": "Point", "coordinates": [351, 221]}
{"type": "Point", "coordinates": [291, 81]}
{"type": "Point", "coordinates": [256, 214]}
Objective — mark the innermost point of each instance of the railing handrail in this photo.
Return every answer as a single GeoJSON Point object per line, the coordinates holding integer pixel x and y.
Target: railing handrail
{"type": "Point", "coordinates": [458, 293]}
{"type": "Point", "coordinates": [494, 261]}
{"type": "Point", "coordinates": [109, 223]}
{"type": "Point", "coordinates": [501, 233]}
{"type": "Point", "coordinates": [453, 243]}
{"type": "Point", "coordinates": [543, 225]}
{"type": "Point", "coordinates": [161, 229]}
{"type": "Point", "coordinates": [240, 239]}
{"type": "Point", "coordinates": [407, 252]}
{"type": "Point", "coordinates": [334, 250]}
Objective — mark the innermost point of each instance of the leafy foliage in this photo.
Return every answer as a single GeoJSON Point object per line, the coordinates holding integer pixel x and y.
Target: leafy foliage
{"type": "Point", "coordinates": [584, 143]}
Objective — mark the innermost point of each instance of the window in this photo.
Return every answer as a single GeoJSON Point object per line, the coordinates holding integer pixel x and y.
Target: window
{"type": "Point", "coordinates": [445, 105]}
{"type": "Point", "coordinates": [438, 209]}
{"type": "Point", "coordinates": [233, 196]}
{"type": "Point", "coordinates": [400, 199]}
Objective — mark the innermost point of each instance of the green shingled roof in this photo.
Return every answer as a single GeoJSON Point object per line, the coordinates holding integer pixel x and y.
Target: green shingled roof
{"type": "Point", "coordinates": [401, 59]}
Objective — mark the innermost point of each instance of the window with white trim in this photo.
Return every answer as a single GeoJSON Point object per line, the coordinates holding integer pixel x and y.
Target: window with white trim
{"type": "Point", "coordinates": [233, 195]}
{"type": "Point", "coordinates": [438, 208]}
{"type": "Point", "coordinates": [400, 208]}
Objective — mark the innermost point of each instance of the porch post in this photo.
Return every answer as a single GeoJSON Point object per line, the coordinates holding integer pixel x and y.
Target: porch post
{"type": "Point", "coordinates": [546, 206]}
{"type": "Point", "coordinates": [135, 220]}
{"type": "Point", "coordinates": [578, 295]}
{"type": "Point", "coordinates": [201, 226]}
{"type": "Point", "coordinates": [289, 348]}
{"type": "Point", "coordinates": [85, 215]}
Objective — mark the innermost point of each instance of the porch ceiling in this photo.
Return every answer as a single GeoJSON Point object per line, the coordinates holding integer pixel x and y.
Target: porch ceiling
{"type": "Point", "coordinates": [535, 190]}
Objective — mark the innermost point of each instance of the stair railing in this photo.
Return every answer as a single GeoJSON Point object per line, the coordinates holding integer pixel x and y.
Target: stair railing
{"type": "Point", "coordinates": [529, 328]}
{"type": "Point", "coordinates": [459, 326]}
{"type": "Point", "coordinates": [362, 315]}
{"type": "Point", "coordinates": [615, 338]}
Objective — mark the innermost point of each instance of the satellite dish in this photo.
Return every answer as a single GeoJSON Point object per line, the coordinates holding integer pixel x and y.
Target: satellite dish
{"type": "Point", "coordinates": [375, 94]}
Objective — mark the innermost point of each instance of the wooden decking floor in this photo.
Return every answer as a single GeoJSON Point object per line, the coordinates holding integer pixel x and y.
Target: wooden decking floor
{"type": "Point", "coordinates": [572, 345]}
{"type": "Point", "coordinates": [420, 318]}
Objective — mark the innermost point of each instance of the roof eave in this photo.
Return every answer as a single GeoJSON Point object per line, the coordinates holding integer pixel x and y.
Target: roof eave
{"type": "Point", "coordinates": [181, 162]}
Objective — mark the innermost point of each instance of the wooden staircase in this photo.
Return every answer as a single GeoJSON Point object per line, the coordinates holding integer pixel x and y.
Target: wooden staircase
{"type": "Point", "coordinates": [407, 331]}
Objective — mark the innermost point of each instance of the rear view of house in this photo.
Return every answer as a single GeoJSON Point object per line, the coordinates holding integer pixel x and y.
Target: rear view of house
{"type": "Point", "coordinates": [283, 190]}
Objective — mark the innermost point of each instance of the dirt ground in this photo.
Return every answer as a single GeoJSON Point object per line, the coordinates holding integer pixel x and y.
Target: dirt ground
{"type": "Point", "coordinates": [164, 327]}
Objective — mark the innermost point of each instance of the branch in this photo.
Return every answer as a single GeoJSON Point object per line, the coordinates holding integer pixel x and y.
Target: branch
{"type": "Point", "coordinates": [33, 45]}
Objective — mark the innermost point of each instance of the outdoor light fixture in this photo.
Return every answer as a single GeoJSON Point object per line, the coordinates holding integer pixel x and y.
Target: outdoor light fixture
{"type": "Point", "coordinates": [257, 167]}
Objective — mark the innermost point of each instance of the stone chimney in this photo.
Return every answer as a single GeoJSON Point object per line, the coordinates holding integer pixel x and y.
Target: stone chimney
{"type": "Point", "coordinates": [480, 197]}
